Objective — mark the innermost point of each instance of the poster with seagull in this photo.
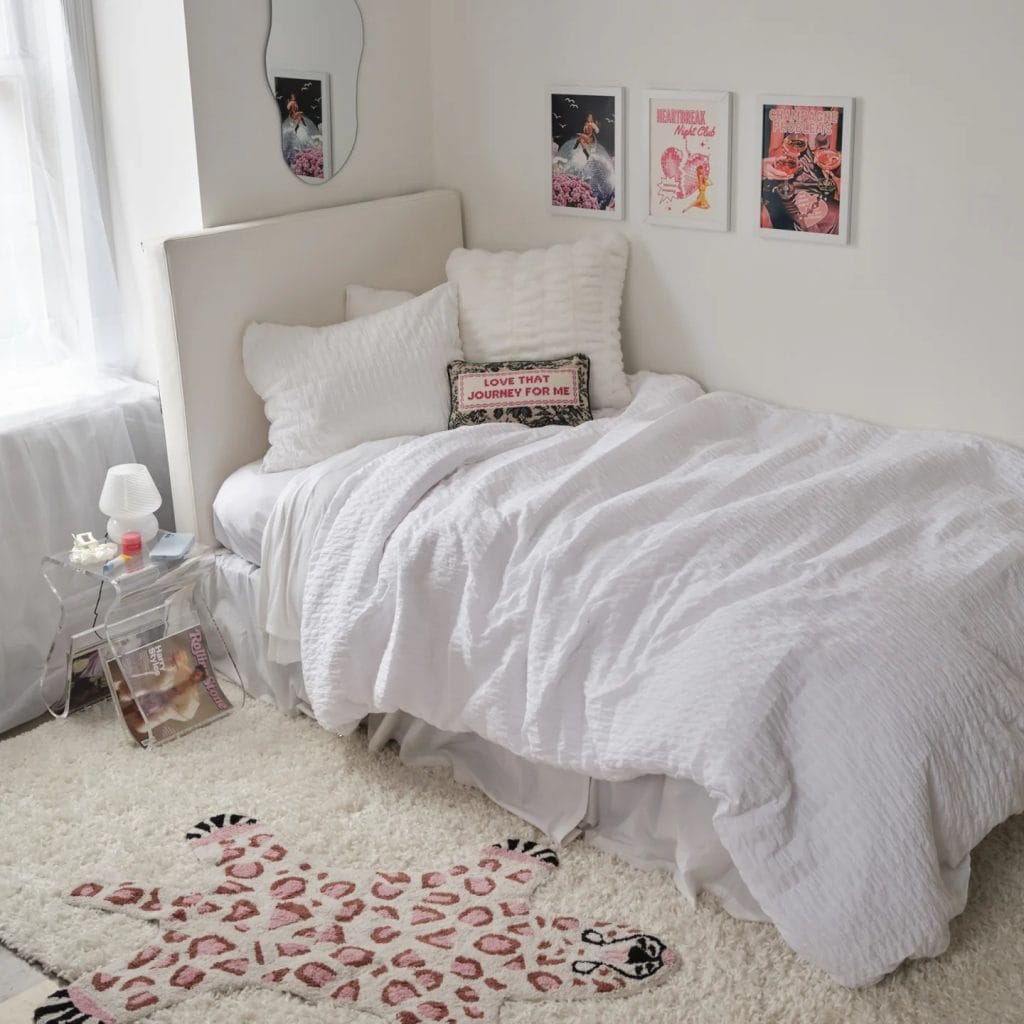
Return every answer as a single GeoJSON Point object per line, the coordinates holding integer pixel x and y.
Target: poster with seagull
{"type": "Point", "coordinates": [586, 151]}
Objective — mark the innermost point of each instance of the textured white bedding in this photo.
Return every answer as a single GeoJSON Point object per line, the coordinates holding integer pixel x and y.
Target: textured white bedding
{"type": "Point", "coordinates": [328, 389]}
{"type": "Point", "coordinates": [653, 822]}
{"type": "Point", "coordinates": [291, 536]}
{"type": "Point", "coordinates": [819, 621]}
{"type": "Point", "coordinates": [545, 304]}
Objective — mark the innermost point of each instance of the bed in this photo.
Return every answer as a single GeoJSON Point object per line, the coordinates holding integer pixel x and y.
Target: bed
{"type": "Point", "coordinates": [824, 560]}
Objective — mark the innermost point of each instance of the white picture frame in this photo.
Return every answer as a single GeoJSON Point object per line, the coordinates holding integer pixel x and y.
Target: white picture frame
{"type": "Point", "coordinates": [688, 142]}
{"type": "Point", "coordinates": [283, 83]}
{"type": "Point", "coordinates": [586, 174]}
{"type": "Point", "coordinates": [812, 201]}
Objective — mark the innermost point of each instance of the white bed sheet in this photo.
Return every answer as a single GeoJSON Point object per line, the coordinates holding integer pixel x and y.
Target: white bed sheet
{"type": "Point", "coordinates": [247, 498]}
{"type": "Point", "coordinates": [232, 592]}
{"type": "Point", "coordinates": [243, 506]}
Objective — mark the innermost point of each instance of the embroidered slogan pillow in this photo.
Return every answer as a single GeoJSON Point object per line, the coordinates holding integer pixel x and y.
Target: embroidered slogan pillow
{"type": "Point", "coordinates": [536, 393]}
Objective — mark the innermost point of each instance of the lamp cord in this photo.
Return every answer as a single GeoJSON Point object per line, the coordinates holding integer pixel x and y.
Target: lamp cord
{"type": "Point", "coordinates": [96, 607]}
{"type": "Point", "coordinates": [99, 593]}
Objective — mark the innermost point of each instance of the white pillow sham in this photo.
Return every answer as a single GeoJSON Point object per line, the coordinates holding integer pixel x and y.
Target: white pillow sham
{"type": "Point", "coordinates": [363, 301]}
{"type": "Point", "coordinates": [327, 389]}
{"type": "Point", "coordinates": [545, 304]}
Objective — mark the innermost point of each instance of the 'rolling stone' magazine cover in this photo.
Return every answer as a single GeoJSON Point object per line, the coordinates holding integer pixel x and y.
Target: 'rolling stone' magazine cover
{"type": "Point", "coordinates": [167, 687]}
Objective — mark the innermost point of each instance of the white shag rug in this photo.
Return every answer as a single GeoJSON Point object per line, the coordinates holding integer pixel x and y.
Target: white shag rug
{"type": "Point", "coordinates": [79, 800]}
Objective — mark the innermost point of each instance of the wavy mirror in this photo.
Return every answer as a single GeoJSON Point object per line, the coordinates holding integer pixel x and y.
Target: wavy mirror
{"type": "Point", "coordinates": [313, 54]}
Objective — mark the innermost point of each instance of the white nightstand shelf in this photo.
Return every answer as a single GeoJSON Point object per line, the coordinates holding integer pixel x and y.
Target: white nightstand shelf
{"type": "Point", "coordinates": [121, 613]}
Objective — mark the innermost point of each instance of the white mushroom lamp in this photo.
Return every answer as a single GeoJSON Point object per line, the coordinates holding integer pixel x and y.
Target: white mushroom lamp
{"type": "Point", "coordinates": [130, 498]}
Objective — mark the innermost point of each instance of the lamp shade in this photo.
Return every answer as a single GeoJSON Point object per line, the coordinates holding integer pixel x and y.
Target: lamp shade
{"type": "Point", "coordinates": [129, 492]}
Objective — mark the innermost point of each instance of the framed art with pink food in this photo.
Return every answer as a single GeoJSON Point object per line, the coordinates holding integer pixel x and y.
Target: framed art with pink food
{"type": "Point", "coordinates": [689, 141]}
{"type": "Point", "coordinates": [586, 151]}
{"type": "Point", "coordinates": [805, 168]}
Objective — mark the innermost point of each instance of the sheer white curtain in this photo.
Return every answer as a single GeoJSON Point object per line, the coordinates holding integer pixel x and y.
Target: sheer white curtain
{"type": "Point", "coordinates": [59, 307]}
{"type": "Point", "coordinates": [65, 413]}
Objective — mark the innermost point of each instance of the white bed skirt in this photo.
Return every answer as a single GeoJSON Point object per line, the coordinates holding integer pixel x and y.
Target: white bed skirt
{"type": "Point", "coordinates": [653, 822]}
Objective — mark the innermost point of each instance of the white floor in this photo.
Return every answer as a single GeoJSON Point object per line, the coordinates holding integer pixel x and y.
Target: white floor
{"type": "Point", "coordinates": [19, 1010]}
{"type": "Point", "coordinates": [16, 976]}
{"type": "Point", "coordinates": [22, 986]}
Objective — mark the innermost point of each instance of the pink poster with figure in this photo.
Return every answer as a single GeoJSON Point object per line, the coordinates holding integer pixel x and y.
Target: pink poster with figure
{"type": "Point", "coordinates": [688, 147]}
{"type": "Point", "coordinates": [806, 150]}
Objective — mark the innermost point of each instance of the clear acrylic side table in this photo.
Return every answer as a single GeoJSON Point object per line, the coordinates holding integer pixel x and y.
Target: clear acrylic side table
{"type": "Point", "coordinates": [156, 600]}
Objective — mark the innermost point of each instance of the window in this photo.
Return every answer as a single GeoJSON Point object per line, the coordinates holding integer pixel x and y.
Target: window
{"type": "Point", "coordinates": [21, 297]}
{"type": "Point", "coordinates": [50, 283]}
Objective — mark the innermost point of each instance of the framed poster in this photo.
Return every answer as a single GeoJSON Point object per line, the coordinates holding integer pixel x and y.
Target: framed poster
{"type": "Point", "coordinates": [689, 141]}
{"type": "Point", "coordinates": [304, 105]}
{"type": "Point", "coordinates": [805, 168]}
{"type": "Point", "coordinates": [586, 151]}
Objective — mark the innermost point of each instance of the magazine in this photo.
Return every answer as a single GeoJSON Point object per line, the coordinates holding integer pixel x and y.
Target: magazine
{"type": "Point", "coordinates": [85, 679]}
{"type": "Point", "coordinates": [167, 687]}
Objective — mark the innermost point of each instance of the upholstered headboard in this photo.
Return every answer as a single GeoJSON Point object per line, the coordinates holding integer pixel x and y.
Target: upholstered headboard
{"type": "Point", "coordinates": [290, 270]}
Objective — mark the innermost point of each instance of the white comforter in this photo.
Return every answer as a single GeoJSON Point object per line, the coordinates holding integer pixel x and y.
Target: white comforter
{"type": "Point", "coordinates": [819, 621]}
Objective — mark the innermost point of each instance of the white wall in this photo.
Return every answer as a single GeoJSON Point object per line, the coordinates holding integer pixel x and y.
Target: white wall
{"type": "Point", "coordinates": [193, 137]}
{"type": "Point", "coordinates": [237, 130]}
{"type": "Point", "coordinates": [917, 322]}
{"type": "Point", "coordinates": [154, 186]}
{"type": "Point", "coordinates": [914, 323]}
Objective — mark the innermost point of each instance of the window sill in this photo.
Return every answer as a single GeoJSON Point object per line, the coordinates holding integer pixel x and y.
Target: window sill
{"type": "Point", "coordinates": [39, 396]}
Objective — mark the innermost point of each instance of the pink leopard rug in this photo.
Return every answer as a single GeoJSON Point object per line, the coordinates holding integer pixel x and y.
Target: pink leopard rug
{"type": "Point", "coordinates": [448, 945]}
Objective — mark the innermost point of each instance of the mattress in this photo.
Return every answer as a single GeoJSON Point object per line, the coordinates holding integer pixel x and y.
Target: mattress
{"type": "Point", "coordinates": [246, 499]}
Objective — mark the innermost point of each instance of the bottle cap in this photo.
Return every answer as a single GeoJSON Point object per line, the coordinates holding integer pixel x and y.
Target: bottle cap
{"type": "Point", "coordinates": [131, 543]}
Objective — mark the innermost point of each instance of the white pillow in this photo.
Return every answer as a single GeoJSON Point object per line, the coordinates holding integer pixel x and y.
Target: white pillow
{"type": "Point", "coordinates": [363, 301]}
{"type": "Point", "coordinates": [327, 389]}
{"type": "Point", "coordinates": [545, 304]}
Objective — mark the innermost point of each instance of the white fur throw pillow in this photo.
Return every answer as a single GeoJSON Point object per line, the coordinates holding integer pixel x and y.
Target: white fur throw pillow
{"type": "Point", "coordinates": [327, 389]}
{"type": "Point", "coordinates": [363, 301]}
{"type": "Point", "coordinates": [547, 303]}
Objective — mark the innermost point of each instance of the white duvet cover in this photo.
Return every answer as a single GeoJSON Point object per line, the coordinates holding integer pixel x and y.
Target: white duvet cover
{"type": "Point", "coordinates": [819, 621]}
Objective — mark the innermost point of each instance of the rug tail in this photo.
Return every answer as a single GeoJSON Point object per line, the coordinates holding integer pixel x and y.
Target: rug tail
{"type": "Point", "coordinates": [60, 1008]}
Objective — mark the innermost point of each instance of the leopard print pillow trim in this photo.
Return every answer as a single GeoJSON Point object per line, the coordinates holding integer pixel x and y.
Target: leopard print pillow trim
{"type": "Point", "coordinates": [534, 392]}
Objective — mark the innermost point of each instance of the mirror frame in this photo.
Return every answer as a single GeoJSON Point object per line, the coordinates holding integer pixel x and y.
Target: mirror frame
{"type": "Point", "coordinates": [331, 165]}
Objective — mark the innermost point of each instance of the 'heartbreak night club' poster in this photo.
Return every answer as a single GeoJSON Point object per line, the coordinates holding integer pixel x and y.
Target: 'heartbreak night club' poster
{"type": "Point", "coordinates": [688, 150]}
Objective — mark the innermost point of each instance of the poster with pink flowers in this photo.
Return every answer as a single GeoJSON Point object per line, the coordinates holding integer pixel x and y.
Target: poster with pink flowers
{"type": "Point", "coordinates": [304, 104]}
{"type": "Point", "coordinates": [689, 141]}
{"type": "Point", "coordinates": [586, 151]}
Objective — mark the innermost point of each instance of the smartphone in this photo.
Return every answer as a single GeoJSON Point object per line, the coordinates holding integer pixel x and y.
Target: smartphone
{"type": "Point", "coordinates": [172, 546]}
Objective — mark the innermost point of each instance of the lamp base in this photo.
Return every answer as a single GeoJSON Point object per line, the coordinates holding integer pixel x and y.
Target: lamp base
{"type": "Point", "coordinates": [146, 526]}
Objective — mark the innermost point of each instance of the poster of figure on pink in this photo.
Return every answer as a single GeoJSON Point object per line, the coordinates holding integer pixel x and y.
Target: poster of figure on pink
{"type": "Point", "coordinates": [586, 151]}
{"type": "Point", "coordinates": [806, 148]}
{"type": "Point", "coordinates": [688, 153]}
